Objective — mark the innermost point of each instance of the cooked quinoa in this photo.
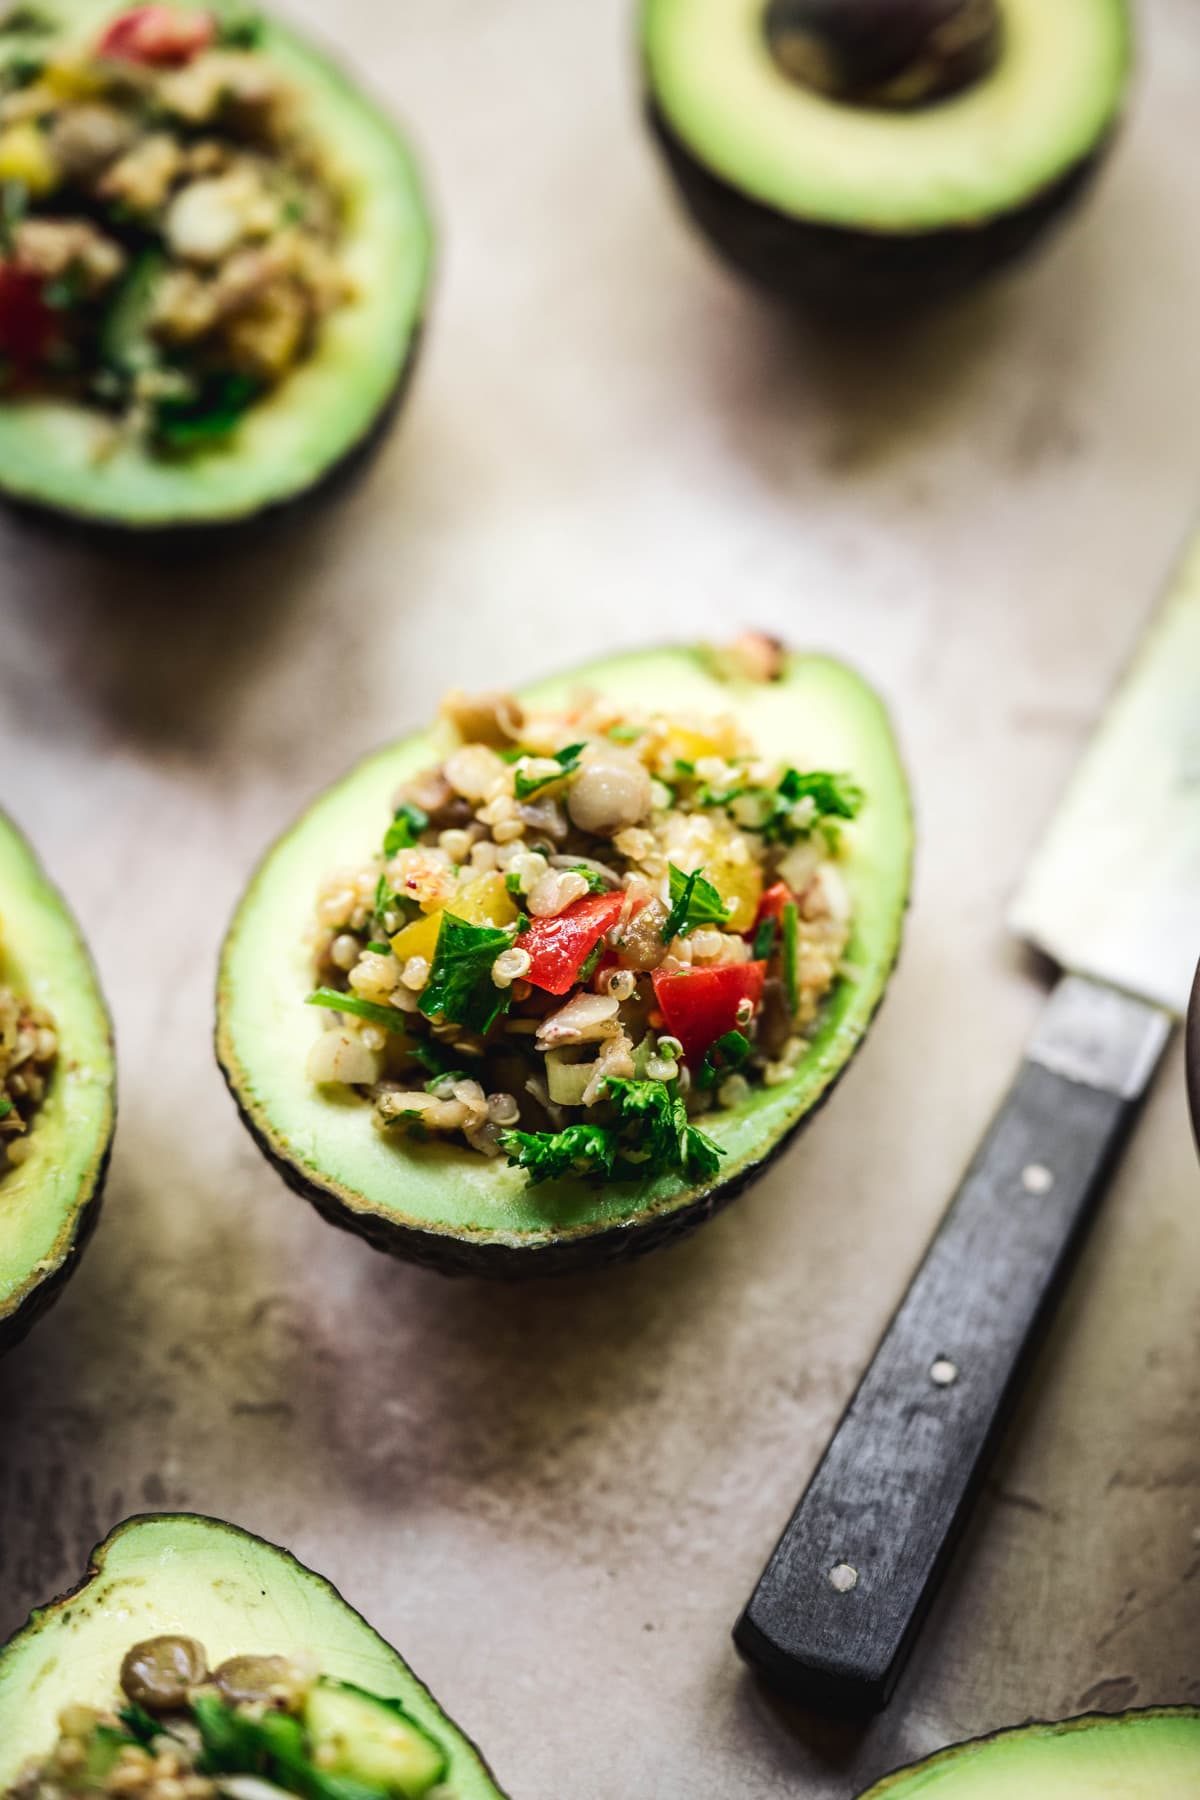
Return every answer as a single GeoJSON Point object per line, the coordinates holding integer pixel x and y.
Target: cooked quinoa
{"type": "Point", "coordinates": [28, 1053]}
{"type": "Point", "coordinates": [255, 1728]}
{"type": "Point", "coordinates": [585, 929]}
{"type": "Point", "coordinates": [169, 231]}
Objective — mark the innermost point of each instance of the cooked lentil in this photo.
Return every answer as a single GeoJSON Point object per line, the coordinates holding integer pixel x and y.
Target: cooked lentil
{"type": "Point", "coordinates": [570, 907]}
{"type": "Point", "coordinates": [169, 229]}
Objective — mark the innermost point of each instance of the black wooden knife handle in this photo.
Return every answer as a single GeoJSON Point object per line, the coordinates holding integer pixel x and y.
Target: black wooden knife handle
{"type": "Point", "coordinates": [838, 1604]}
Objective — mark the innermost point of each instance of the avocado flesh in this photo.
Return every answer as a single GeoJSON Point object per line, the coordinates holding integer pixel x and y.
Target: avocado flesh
{"type": "Point", "coordinates": [830, 202]}
{"type": "Point", "coordinates": [234, 1592]}
{"type": "Point", "coordinates": [60, 455]}
{"type": "Point", "coordinates": [49, 1202]}
{"type": "Point", "coordinates": [1152, 1755]}
{"type": "Point", "coordinates": [455, 1210]}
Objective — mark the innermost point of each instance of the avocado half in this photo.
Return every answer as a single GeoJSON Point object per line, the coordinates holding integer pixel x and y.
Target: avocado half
{"type": "Point", "coordinates": [854, 208]}
{"type": "Point", "coordinates": [175, 1572]}
{"type": "Point", "coordinates": [58, 456]}
{"type": "Point", "coordinates": [49, 1203]}
{"type": "Point", "coordinates": [455, 1211]}
{"type": "Point", "coordinates": [1151, 1755]}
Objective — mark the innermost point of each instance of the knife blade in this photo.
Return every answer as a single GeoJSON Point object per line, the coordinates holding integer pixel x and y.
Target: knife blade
{"type": "Point", "coordinates": [1112, 895]}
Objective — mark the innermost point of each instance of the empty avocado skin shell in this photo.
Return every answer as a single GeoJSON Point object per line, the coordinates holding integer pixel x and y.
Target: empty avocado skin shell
{"type": "Point", "coordinates": [49, 464]}
{"type": "Point", "coordinates": [36, 929]}
{"type": "Point", "coordinates": [236, 1593]}
{"type": "Point", "coordinates": [829, 269]}
{"type": "Point", "coordinates": [843, 268]}
{"type": "Point", "coordinates": [543, 1247]}
{"type": "Point", "coordinates": [1064, 1759]}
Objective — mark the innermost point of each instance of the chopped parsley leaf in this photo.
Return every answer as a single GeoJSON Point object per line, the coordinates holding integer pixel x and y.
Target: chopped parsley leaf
{"type": "Point", "coordinates": [138, 1723]}
{"type": "Point", "coordinates": [694, 901]}
{"type": "Point", "coordinates": [729, 1052]}
{"type": "Point", "coordinates": [460, 986]}
{"type": "Point", "coordinates": [650, 1136]}
{"type": "Point", "coordinates": [764, 938]}
{"type": "Point", "coordinates": [446, 1075]}
{"type": "Point", "coordinates": [6, 1106]}
{"type": "Point", "coordinates": [407, 824]}
{"type": "Point", "coordinates": [525, 786]}
{"type": "Point", "coordinates": [512, 882]}
{"type": "Point", "coordinates": [378, 948]}
{"type": "Point", "coordinates": [596, 883]}
{"type": "Point", "coordinates": [790, 919]}
{"type": "Point", "coordinates": [390, 1017]}
{"type": "Point", "coordinates": [624, 734]}
{"type": "Point", "coordinates": [831, 796]}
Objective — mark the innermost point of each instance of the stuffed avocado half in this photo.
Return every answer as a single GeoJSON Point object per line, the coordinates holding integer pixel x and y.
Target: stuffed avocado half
{"type": "Point", "coordinates": [214, 260]}
{"type": "Point", "coordinates": [194, 1653]}
{"type": "Point", "coordinates": [674, 1010]}
{"type": "Point", "coordinates": [1150, 1755]}
{"type": "Point", "coordinates": [57, 1090]}
{"type": "Point", "coordinates": [864, 154]}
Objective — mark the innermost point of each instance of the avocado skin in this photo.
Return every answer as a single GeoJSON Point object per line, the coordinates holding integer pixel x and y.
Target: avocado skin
{"type": "Point", "coordinates": [829, 269]}
{"type": "Point", "coordinates": [17, 1320]}
{"type": "Point", "coordinates": [227, 533]}
{"type": "Point", "coordinates": [43, 1617]}
{"type": "Point", "coordinates": [913, 1777]}
{"type": "Point", "coordinates": [17, 1324]}
{"type": "Point", "coordinates": [448, 1254]}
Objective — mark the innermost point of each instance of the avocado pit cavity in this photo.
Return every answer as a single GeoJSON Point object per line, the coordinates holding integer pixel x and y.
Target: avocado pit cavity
{"type": "Point", "coordinates": [895, 54]}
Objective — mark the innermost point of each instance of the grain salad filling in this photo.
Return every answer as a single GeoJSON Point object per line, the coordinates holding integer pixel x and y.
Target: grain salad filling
{"type": "Point", "coordinates": [255, 1728]}
{"type": "Point", "coordinates": [169, 230]}
{"type": "Point", "coordinates": [28, 1053]}
{"type": "Point", "coordinates": [584, 930]}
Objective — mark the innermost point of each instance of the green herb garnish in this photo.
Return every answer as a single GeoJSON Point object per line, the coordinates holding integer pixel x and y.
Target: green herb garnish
{"type": "Point", "coordinates": [525, 786]}
{"type": "Point", "coordinates": [596, 883]}
{"type": "Point", "coordinates": [240, 29]}
{"type": "Point", "coordinates": [6, 1106]}
{"type": "Point", "coordinates": [625, 734]}
{"type": "Point", "coordinates": [138, 1723]}
{"type": "Point", "coordinates": [460, 986]}
{"type": "Point", "coordinates": [189, 422]}
{"type": "Point", "coordinates": [408, 822]}
{"type": "Point", "coordinates": [764, 938]}
{"type": "Point", "coordinates": [388, 1016]}
{"type": "Point", "coordinates": [833, 797]}
{"type": "Point", "coordinates": [694, 901]}
{"type": "Point", "coordinates": [790, 920]}
{"type": "Point", "coordinates": [728, 1053]}
{"type": "Point", "coordinates": [378, 948]}
{"type": "Point", "coordinates": [650, 1136]}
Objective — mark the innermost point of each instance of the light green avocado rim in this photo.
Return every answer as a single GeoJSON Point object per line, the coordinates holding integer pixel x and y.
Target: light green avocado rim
{"type": "Point", "coordinates": [237, 1594]}
{"type": "Point", "coordinates": [820, 715]}
{"type": "Point", "coordinates": [1053, 96]}
{"type": "Point", "coordinates": [62, 455]}
{"type": "Point", "coordinates": [42, 955]}
{"type": "Point", "coordinates": [1149, 1755]}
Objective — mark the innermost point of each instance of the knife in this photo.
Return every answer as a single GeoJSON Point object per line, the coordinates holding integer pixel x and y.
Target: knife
{"type": "Point", "coordinates": [1113, 897]}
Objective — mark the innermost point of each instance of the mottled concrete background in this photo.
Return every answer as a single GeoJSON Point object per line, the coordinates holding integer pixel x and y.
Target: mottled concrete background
{"type": "Point", "coordinates": [555, 1500]}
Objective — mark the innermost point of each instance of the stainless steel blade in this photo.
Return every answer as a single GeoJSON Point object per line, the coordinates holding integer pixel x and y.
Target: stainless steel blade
{"type": "Point", "coordinates": [1113, 891]}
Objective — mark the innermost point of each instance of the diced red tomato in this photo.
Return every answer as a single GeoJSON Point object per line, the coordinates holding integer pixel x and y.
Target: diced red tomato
{"type": "Point", "coordinates": [157, 35]}
{"type": "Point", "coordinates": [701, 1005]}
{"type": "Point", "coordinates": [27, 324]}
{"type": "Point", "coordinates": [559, 947]}
{"type": "Point", "coordinates": [774, 899]}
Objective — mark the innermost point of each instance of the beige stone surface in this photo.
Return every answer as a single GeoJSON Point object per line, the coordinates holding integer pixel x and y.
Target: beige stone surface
{"type": "Point", "coordinates": [556, 1500]}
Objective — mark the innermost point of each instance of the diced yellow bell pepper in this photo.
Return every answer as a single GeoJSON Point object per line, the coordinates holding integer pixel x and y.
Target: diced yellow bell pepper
{"type": "Point", "coordinates": [485, 901]}
{"type": "Point", "coordinates": [418, 939]}
{"type": "Point", "coordinates": [25, 157]}
{"type": "Point", "coordinates": [740, 885]}
{"type": "Point", "coordinates": [70, 80]}
{"type": "Point", "coordinates": [685, 745]}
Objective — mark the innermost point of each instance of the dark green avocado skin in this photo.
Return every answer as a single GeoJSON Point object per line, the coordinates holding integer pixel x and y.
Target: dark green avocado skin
{"type": "Point", "coordinates": [828, 270]}
{"type": "Point", "coordinates": [18, 1324]}
{"type": "Point", "coordinates": [218, 533]}
{"type": "Point", "coordinates": [566, 1255]}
